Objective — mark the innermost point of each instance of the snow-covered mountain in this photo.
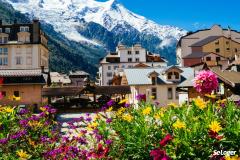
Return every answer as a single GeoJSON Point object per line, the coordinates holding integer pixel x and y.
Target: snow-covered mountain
{"type": "Point", "coordinates": [67, 15]}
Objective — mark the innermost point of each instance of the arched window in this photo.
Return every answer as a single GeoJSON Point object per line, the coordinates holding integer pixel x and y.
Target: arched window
{"type": "Point", "coordinates": [170, 75]}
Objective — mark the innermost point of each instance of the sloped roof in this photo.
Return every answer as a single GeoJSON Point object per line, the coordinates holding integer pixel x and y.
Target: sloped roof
{"type": "Point", "coordinates": [205, 41]}
{"type": "Point", "coordinates": [139, 76]}
{"type": "Point", "coordinates": [195, 55]}
{"type": "Point", "coordinates": [228, 76]}
{"type": "Point", "coordinates": [20, 72]}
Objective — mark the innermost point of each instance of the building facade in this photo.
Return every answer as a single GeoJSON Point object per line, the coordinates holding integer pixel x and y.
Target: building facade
{"type": "Point", "coordinates": [225, 42]}
{"type": "Point", "coordinates": [159, 84]}
{"type": "Point", "coordinates": [23, 46]}
{"type": "Point", "coordinates": [126, 57]}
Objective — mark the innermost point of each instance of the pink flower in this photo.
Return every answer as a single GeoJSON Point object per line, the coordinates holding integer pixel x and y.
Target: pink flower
{"type": "Point", "coordinates": [165, 140]}
{"type": "Point", "coordinates": [205, 82]}
{"type": "Point", "coordinates": [159, 154]}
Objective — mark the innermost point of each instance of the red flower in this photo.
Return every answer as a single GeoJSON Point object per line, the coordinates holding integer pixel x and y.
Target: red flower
{"type": "Point", "coordinates": [165, 140]}
{"type": "Point", "coordinates": [159, 154]}
{"type": "Point", "coordinates": [1, 80]}
{"type": "Point", "coordinates": [214, 135]}
{"type": "Point", "coordinates": [101, 152]}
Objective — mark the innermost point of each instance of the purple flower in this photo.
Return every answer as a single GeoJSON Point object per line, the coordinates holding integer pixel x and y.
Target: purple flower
{"type": "Point", "coordinates": [88, 119]}
{"type": "Point", "coordinates": [88, 114]}
{"type": "Point", "coordinates": [109, 120]}
{"type": "Point", "coordinates": [99, 137]}
{"type": "Point", "coordinates": [52, 110]}
{"type": "Point", "coordinates": [157, 103]}
{"type": "Point", "coordinates": [141, 97]}
{"type": "Point", "coordinates": [44, 139]}
{"type": "Point", "coordinates": [110, 103]}
{"type": "Point", "coordinates": [4, 141]}
{"type": "Point", "coordinates": [108, 142]}
{"type": "Point", "coordinates": [23, 111]}
{"type": "Point", "coordinates": [127, 105]}
{"type": "Point", "coordinates": [238, 103]}
{"type": "Point", "coordinates": [23, 123]}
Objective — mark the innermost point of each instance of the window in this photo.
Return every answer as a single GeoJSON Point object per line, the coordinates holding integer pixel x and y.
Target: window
{"type": "Point", "coordinates": [5, 61]}
{"type": "Point", "coordinates": [154, 93]}
{"type": "Point", "coordinates": [208, 58]}
{"type": "Point", "coordinates": [3, 40]}
{"type": "Point", "coordinates": [218, 59]}
{"type": "Point", "coordinates": [129, 52]}
{"type": "Point", "coordinates": [227, 42]}
{"type": "Point", "coordinates": [4, 93]}
{"type": "Point", "coordinates": [109, 67]}
{"type": "Point", "coordinates": [137, 59]}
{"type": "Point", "coordinates": [170, 93]}
{"type": "Point", "coordinates": [176, 95]}
{"type": "Point", "coordinates": [176, 74]}
{"type": "Point", "coordinates": [130, 66]}
{"type": "Point", "coordinates": [123, 66]}
{"type": "Point", "coordinates": [170, 75]}
{"type": "Point", "coordinates": [129, 59]}
{"type": "Point", "coordinates": [24, 29]}
{"type": "Point", "coordinates": [16, 94]}
{"type": "Point", "coordinates": [236, 50]}
{"type": "Point", "coordinates": [5, 51]}
{"type": "Point", "coordinates": [18, 60]}
{"type": "Point", "coordinates": [154, 80]}
{"type": "Point", "coordinates": [217, 43]}
{"type": "Point", "coordinates": [7, 30]}
{"type": "Point", "coordinates": [109, 74]}
{"type": "Point", "coordinates": [115, 67]}
{"type": "Point", "coordinates": [217, 50]}
{"type": "Point", "coordinates": [136, 52]}
{"type": "Point", "coordinates": [0, 30]}
{"type": "Point", "coordinates": [228, 49]}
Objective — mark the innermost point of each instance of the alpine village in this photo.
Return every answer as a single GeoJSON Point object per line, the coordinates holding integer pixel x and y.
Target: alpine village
{"type": "Point", "coordinates": [137, 105]}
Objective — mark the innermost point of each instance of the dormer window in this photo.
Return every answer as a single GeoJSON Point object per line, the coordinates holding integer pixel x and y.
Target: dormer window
{"type": "Point", "coordinates": [170, 75]}
{"type": "Point", "coordinates": [3, 39]}
{"type": "Point", "coordinates": [154, 80]}
{"type": "Point", "coordinates": [7, 30]}
{"type": "Point", "coordinates": [24, 29]}
{"type": "Point", "coordinates": [176, 74]}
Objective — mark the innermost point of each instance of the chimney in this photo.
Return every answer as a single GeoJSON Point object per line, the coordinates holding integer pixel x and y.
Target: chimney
{"type": "Point", "coordinates": [36, 31]}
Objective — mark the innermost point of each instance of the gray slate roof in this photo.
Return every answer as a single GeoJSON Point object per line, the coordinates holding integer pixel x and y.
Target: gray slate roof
{"type": "Point", "coordinates": [139, 76]}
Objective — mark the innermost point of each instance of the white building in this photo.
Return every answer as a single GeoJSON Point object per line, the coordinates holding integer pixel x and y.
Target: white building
{"type": "Point", "coordinates": [159, 84]}
{"type": "Point", "coordinates": [23, 46]}
{"type": "Point", "coordinates": [126, 57]}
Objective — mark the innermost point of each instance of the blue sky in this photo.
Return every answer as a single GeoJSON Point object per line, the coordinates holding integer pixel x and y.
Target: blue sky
{"type": "Point", "coordinates": [188, 14]}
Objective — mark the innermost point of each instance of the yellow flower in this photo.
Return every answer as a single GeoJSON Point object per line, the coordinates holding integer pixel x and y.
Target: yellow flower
{"type": "Point", "coordinates": [172, 105]}
{"type": "Point", "coordinates": [43, 109]}
{"type": "Point", "coordinates": [211, 96]}
{"type": "Point", "coordinates": [152, 97]}
{"type": "Point", "coordinates": [123, 101]}
{"type": "Point", "coordinates": [22, 154]}
{"type": "Point", "coordinates": [32, 143]}
{"type": "Point", "coordinates": [16, 98]}
{"type": "Point", "coordinates": [147, 111]}
{"type": "Point", "coordinates": [34, 124]}
{"type": "Point", "coordinates": [178, 124]}
{"type": "Point", "coordinates": [92, 126]}
{"type": "Point", "coordinates": [8, 109]}
{"type": "Point", "coordinates": [127, 117]}
{"type": "Point", "coordinates": [120, 111]}
{"type": "Point", "coordinates": [215, 126]}
{"type": "Point", "coordinates": [109, 109]}
{"type": "Point", "coordinates": [200, 103]}
{"type": "Point", "coordinates": [227, 157]}
{"type": "Point", "coordinates": [158, 115]}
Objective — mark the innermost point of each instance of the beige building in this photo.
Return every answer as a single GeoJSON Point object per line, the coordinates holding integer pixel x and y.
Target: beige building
{"type": "Point", "coordinates": [22, 86]}
{"type": "Point", "coordinates": [159, 84]}
{"type": "Point", "coordinates": [23, 46]}
{"type": "Point", "coordinates": [225, 42]}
